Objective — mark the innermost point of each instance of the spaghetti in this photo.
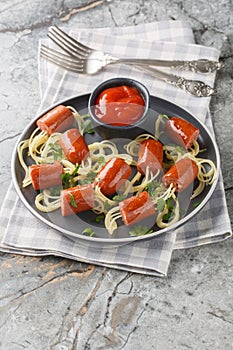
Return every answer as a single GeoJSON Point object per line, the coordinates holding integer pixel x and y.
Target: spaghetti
{"type": "Point", "coordinates": [44, 149]}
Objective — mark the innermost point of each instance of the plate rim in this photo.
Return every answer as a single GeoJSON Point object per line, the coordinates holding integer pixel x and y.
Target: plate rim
{"type": "Point", "coordinates": [116, 241]}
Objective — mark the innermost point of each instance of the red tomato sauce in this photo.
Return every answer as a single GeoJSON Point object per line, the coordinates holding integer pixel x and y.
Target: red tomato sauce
{"type": "Point", "coordinates": [119, 106]}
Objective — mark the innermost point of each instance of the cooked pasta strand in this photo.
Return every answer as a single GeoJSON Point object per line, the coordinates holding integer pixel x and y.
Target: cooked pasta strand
{"type": "Point", "coordinates": [51, 203]}
{"type": "Point", "coordinates": [42, 149]}
{"type": "Point", "coordinates": [110, 219]}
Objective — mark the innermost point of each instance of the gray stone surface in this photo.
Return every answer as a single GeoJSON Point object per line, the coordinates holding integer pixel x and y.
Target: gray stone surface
{"type": "Point", "coordinates": [52, 303]}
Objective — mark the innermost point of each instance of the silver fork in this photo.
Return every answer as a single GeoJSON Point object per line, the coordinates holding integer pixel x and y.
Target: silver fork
{"type": "Point", "coordinates": [194, 87]}
{"type": "Point", "coordinates": [93, 60]}
{"type": "Point", "coordinates": [80, 58]}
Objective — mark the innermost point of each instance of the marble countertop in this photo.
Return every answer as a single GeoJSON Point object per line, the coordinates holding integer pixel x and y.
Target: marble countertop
{"type": "Point", "coordinates": [54, 303]}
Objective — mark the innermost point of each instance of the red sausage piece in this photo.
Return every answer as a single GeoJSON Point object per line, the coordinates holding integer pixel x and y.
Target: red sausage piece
{"type": "Point", "coordinates": [74, 146]}
{"type": "Point", "coordinates": [150, 155]}
{"type": "Point", "coordinates": [181, 174]}
{"type": "Point", "coordinates": [135, 209]}
{"type": "Point", "coordinates": [181, 132]}
{"type": "Point", "coordinates": [58, 119]}
{"type": "Point", "coordinates": [112, 175]}
{"type": "Point", "coordinates": [46, 175]}
{"type": "Point", "coordinates": [77, 199]}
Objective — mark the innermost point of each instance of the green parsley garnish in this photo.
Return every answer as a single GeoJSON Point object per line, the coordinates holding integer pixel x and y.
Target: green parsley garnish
{"type": "Point", "coordinates": [164, 116]}
{"type": "Point", "coordinates": [170, 214]}
{"type": "Point", "coordinates": [75, 172]}
{"type": "Point", "coordinates": [139, 230]}
{"type": "Point", "coordinates": [99, 218]}
{"type": "Point", "coordinates": [90, 177]}
{"type": "Point", "coordinates": [168, 217]}
{"type": "Point", "coordinates": [56, 151]}
{"type": "Point", "coordinates": [55, 191]}
{"type": "Point", "coordinates": [87, 126]}
{"type": "Point", "coordinates": [68, 179]}
{"type": "Point", "coordinates": [196, 204]}
{"type": "Point", "coordinates": [72, 201]}
{"type": "Point", "coordinates": [88, 232]}
{"type": "Point", "coordinates": [87, 115]}
{"type": "Point", "coordinates": [84, 123]}
{"type": "Point", "coordinates": [160, 204]}
{"type": "Point", "coordinates": [151, 188]}
{"type": "Point", "coordinates": [181, 150]}
{"type": "Point", "coordinates": [119, 197]}
{"type": "Point", "coordinates": [106, 206]}
{"type": "Point", "coordinates": [101, 160]}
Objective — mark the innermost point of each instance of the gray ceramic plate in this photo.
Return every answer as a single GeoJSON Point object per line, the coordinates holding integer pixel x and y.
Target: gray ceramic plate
{"type": "Point", "coordinates": [72, 226]}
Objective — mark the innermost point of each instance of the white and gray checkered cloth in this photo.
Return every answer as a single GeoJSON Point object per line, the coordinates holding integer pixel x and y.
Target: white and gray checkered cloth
{"type": "Point", "coordinates": [22, 233]}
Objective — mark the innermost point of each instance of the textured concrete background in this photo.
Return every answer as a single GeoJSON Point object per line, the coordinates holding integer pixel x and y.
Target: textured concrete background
{"type": "Point", "coordinates": [52, 303]}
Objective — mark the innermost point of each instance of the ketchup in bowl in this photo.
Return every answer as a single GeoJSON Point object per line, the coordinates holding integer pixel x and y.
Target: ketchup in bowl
{"type": "Point", "coordinates": [119, 106]}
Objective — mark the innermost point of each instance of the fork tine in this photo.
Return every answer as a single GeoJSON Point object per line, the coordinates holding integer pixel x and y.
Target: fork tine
{"type": "Point", "coordinates": [61, 60]}
{"type": "Point", "coordinates": [77, 44]}
{"type": "Point", "coordinates": [59, 55]}
{"type": "Point", "coordinates": [64, 45]}
{"type": "Point", "coordinates": [61, 64]}
{"type": "Point", "coordinates": [68, 44]}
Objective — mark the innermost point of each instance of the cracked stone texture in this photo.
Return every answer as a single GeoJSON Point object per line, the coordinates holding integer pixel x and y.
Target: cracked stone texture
{"type": "Point", "coordinates": [52, 303]}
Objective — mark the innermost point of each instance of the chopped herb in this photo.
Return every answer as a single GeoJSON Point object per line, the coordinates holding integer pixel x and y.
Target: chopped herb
{"type": "Point", "coordinates": [74, 173]}
{"type": "Point", "coordinates": [170, 214]}
{"type": "Point", "coordinates": [164, 116]}
{"type": "Point", "coordinates": [139, 230]}
{"type": "Point", "coordinates": [84, 123]}
{"type": "Point", "coordinates": [87, 115]}
{"type": "Point", "coordinates": [160, 204]}
{"type": "Point", "coordinates": [87, 126]}
{"type": "Point", "coordinates": [180, 149]}
{"type": "Point", "coordinates": [99, 218]}
{"type": "Point", "coordinates": [119, 197]}
{"type": "Point", "coordinates": [151, 188]}
{"type": "Point", "coordinates": [88, 232]}
{"type": "Point", "coordinates": [68, 179]}
{"type": "Point", "coordinates": [55, 191]}
{"type": "Point", "coordinates": [196, 204]}
{"type": "Point", "coordinates": [90, 177]}
{"type": "Point", "coordinates": [101, 160]}
{"type": "Point", "coordinates": [72, 201]}
{"type": "Point", "coordinates": [168, 217]}
{"type": "Point", "coordinates": [169, 203]}
{"type": "Point", "coordinates": [106, 206]}
{"type": "Point", "coordinates": [56, 151]}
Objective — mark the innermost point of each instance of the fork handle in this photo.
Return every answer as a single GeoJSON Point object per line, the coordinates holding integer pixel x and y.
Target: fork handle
{"type": "Point", "coordinates": [194, 87]}
{"type": "Point", "coordinates": [198, 66]}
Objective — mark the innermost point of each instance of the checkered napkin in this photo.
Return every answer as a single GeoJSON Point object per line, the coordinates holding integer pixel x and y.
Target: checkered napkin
{"type": "Point", "coordinates": [22, 233]}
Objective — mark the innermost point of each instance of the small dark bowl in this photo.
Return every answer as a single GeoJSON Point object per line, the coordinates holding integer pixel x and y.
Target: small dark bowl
{"type": "Point", "coordinates": [108, 131]}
